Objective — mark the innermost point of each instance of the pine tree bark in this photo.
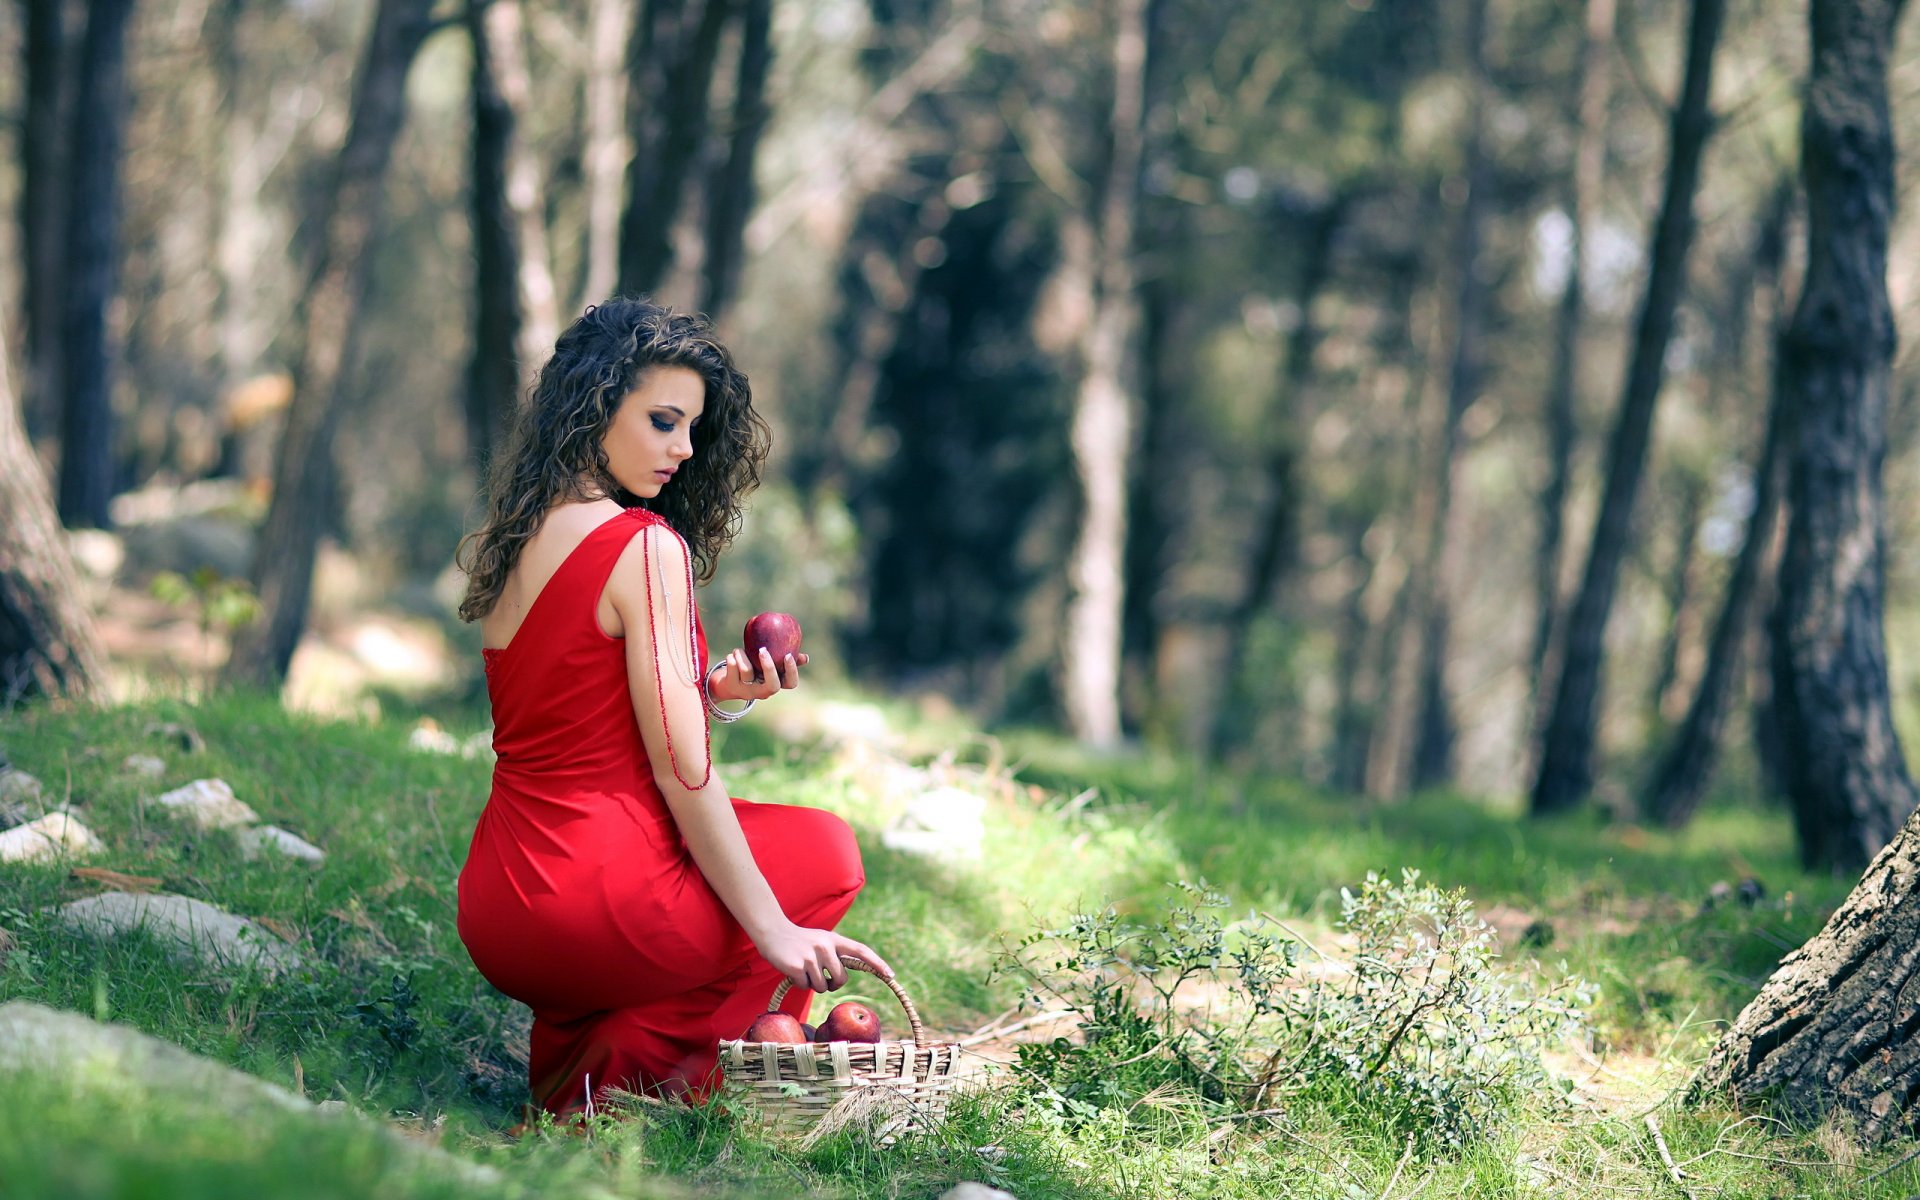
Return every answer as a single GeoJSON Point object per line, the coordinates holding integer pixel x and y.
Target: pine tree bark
{"type": "Point", "coordinates": [1832, 1028]}
{"type": "Point", "coordinates": [47, 641]}
{"type": "Point", "coordinates": [1565, 774]}
{"type": "Point", "coordinates": [1845, 775]}
{"type": "Point", "coordinates": [1685, 767]}
{"type": "Point", "coordinates": [1102, 428]}
{"type": "Point", "coordinates": [92, 267]}
{"type": "Point", "coordinates": [1583, 203]}
{"type": "Point", "coordinates": [328, 320]}
{"type": "Point", "coordinates": [43, 155]}
{"type": "Point", "coordinates": [730, 191]}
{"type": "Point", "coordinates": [670, 70]}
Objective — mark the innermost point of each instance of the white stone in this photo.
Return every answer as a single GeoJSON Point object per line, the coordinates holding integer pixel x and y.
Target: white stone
{"type": "Point", "coordinates": [144, 764]}
{"type": "Point", "coordinates": [429, 739]}
{"type": "Point", "coordinates": [271, 839]}
{"type": "Point", "coordinates": [97, 552]}
{"type": "Point", "coordinates": [66, 1045]}
{"type": "Point", "coordinates": [50, 837]}
{"type": "Point", "coordinates": [976, 1191]}
{"type": "Point", "coordinates": [190, 929]}
{"type": "Point", "coordinates": [17, 788]}
{"type": "Point", "coordinates": [946, 822]}
{"type": "Point", "coordinates": [209, 804]}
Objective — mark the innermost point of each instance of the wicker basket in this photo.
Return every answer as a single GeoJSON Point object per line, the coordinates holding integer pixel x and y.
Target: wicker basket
{"type": "Point", "coordinates": [887, 1088]}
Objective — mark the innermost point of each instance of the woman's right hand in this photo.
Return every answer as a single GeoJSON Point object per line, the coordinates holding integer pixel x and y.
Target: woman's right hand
{"type": "Point", "coordinates": [810, 958]}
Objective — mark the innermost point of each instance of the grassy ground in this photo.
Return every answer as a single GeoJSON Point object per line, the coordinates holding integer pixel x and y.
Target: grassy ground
{"type": "Point", "coordinates": [391, 1018]}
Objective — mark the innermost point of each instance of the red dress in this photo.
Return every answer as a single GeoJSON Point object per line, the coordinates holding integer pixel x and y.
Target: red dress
{"type": "Point", "coordinates": [579, 898]}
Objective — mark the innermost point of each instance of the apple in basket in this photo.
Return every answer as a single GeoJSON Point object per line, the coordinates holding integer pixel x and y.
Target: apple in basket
{"type": "Point", "coordinates": [776, 632]}
{"type": "Point", "coordinates": [850, 1021]}
{"type": "Point", "coordinates": [775, 1027]}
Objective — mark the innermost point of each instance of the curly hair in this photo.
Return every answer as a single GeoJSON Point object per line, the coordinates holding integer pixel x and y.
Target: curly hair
{"type": "Point", "coordinates": [555, 451]}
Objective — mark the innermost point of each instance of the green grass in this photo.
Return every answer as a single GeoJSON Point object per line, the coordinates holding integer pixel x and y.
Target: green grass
{"type": "Point", "coordinates": [391, 1018]}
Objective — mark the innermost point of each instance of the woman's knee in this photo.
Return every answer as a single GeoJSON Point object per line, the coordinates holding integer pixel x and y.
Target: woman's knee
{"type": "Point", "coordinates": [840, 853]}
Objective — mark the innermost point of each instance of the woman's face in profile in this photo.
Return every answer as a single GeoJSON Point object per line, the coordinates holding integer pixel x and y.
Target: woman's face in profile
{"type": "Point", "coordinates": [651, 434]}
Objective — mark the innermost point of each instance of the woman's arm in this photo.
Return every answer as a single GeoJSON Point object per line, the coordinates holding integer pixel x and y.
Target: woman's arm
{"type": "Point", "coordinates": [651, 589]}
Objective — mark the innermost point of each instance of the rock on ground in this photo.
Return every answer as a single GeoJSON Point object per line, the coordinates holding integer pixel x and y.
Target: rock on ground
{"type": "Point", "coordinates": [50, 837]}
{"type": "Point", "coordinates": [946, 823]}
{"type": "Point", "coordinates": [192, 930]}
{"type": "Point", "coordinates": [976, 1191]}
{"type": "Point", "coordinates": [36, 1038]}
{"type": "Point", "coordinates": [271, 839]}
{"type": "Point", "coordinates": [144, 764]}
{"type": "Point", "coordinates": [208, 804]}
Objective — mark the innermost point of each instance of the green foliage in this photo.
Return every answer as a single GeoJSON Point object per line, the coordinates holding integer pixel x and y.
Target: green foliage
{"type": "Point", "coordinates": [1419, 1029]}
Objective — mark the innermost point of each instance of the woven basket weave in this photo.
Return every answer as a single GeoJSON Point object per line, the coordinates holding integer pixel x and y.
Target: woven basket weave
{"type": "Point", "coordinates": [887, 1088]}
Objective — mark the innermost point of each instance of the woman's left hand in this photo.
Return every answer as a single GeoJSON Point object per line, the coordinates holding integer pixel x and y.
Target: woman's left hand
{"type": "Point", "coordinates": [734, 679]}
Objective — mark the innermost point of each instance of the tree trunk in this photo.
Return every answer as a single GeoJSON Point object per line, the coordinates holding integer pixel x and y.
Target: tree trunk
{"type": "Point", "coordinates": [515, 316]}
{"type": "Point", "coordinates": [1583, 203]}
{"type": "Point", "coordinates": [47, 643]}
{"type": "Point", "coordinates": [670, 68]}
{"type": "Point", "coordinates": [1845, 774]}
{"type": "Point", "coordinates": [1358, 692]}
{"type": "Point", "coordinates": [1102, 411]}
{"type": "Point", "coordinates": [328, 320]}
{"type": "Point", "coordinates": [1833, 1028]}
{"type": "Point", "coordinates": [1276, 531]}
{"type": "Point", "coordinates": [730, 192]}
{"type": "Point", "coordinates": [92, 267]}
{"type": "Point", "coordinates": [1677, 590]}
{"type": "Point", "coordinates": [1566, 759]}
{"type": "Point", "coordinates": [43, 153]}
{"type": "Point", "coordinates": [1687, 765]}
{"type": "Point", "coordinates": [1434, 730]}
{"type": "Point", "coordinates": [608, 24]}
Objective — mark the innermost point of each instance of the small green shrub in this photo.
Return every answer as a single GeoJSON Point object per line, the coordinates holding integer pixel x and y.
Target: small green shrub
{"type": "Point", "coordinates": [1418, 1032]}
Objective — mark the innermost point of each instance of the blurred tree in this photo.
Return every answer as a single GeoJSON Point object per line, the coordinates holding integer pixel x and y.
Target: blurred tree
{"type": "Point", "coordinates": [1593, 87]}
{"type": "Point", "coordinates": [328, 324]}
{"type": "Point", "coordinates": [1844, 771]}
{"type": "Point", "coordinates": [1103, 410]}
{"type": "Point", "coordinates": [670, 65]}
{"type": "Point", "coordinates": [47, 641]}
{"type": "Point", "coordinates": [1688, 761]}
{"type": "Point", "coordinates": [1565, 773]}
{"type": "Point", "coordinates": [43, 155]}
{"type": "Point", "coordinates": [1831, 1030]}
{"type": "Point", "coordinates": [1277, 529]}
{"type": "Point", "coordinates": [729, 190]}
{"type": "Point", "coordinates": [516, 313]}
{"type": "Point", "coordinates": [608, 25]}
{"type": "Point", "coordinates": [90, 267]}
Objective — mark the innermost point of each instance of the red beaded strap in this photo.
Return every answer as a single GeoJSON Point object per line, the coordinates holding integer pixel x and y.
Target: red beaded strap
{"type": "Point", "coordinates": [659, 677]}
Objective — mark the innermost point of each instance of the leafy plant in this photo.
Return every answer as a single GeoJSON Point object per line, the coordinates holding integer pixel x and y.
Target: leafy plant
{"type": "Point", "coordinates": [391, 1015]}
{"type": "Point", "coordinates": [1419, 1029]}
{"type": "Point", "coordinates": [217, 601]}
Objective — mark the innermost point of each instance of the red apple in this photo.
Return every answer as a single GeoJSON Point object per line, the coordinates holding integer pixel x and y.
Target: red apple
{"type": "Point", "coordinates": [777, 632]}
{"type": "Point", "coordinates": [775, 1027]}
{"type": "Point", "coordinates": [850, 1021]}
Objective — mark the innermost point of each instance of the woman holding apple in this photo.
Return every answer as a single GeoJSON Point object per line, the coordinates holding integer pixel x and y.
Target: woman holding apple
{"type": "Point", "coordinates": [612, 884]}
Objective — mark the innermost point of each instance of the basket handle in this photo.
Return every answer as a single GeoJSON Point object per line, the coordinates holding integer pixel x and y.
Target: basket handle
{"type": "Point", "coordinates": [919, 1031]}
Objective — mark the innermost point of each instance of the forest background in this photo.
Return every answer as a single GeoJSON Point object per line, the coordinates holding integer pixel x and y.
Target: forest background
{"type": "Point", "coordinates": [1487, 398]}
{"type": "Point", "coordinates": [1290, 448]}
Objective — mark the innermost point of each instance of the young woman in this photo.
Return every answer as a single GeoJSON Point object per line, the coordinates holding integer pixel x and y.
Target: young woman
{"type": "Point", "coordinates": [612, 884]}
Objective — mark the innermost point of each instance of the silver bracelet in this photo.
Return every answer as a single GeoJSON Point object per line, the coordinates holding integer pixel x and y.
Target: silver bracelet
{"type": "Point", "coordinates": [714, 710]}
